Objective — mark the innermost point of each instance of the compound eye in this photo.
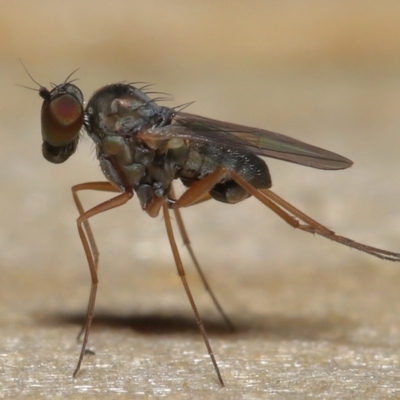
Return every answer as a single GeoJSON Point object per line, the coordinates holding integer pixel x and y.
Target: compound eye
{"type": "Point", "coordinates": [62, 118]}
{"type": "Point", "coordinates": [66, 109]}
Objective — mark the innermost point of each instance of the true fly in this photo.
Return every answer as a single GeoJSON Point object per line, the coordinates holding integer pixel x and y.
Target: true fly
{"type": "Point", "coordinates": [143, 148]}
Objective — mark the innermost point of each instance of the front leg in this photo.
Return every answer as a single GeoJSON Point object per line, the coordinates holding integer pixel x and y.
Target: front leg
{"type": "Point", "coordinates": [90, 247]}
{"type": "Point", "coordinates": [98, 186]}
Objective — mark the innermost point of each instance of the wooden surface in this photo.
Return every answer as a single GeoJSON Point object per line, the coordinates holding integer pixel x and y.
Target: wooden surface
{"type": "Point", "coordinates": [313, 318]}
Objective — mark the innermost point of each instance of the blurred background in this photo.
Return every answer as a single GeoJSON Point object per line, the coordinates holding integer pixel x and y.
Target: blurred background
{"type": "Point", "coordinates": [327, 73]}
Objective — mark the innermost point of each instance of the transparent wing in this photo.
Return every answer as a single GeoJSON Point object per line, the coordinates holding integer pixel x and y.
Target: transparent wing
{"type": "Point", "coordinates": [258, 141]}
{"type": "Point", "coordinates": [261, 142]}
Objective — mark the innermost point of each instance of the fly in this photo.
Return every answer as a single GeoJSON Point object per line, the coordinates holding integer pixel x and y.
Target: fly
{"type": "Point", "coordinates": [143, 148]}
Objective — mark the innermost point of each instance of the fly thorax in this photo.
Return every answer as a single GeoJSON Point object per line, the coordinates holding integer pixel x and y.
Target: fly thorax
{"type": "Point", "coordinates": [141, 153]}
{"type": "Point", "coordinates": [114, 145]}
{"type": "Point", "coordinates": [123, 176]}
{"type": "Point", "coordinates": [123, 162]}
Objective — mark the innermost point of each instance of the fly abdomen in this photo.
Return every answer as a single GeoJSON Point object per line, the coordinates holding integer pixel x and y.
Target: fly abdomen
{"type": "Point", "coordinates": [203, 159]}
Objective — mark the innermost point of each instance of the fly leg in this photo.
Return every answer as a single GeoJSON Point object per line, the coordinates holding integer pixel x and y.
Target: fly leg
{"type": "Point", "coordinates": [100, 186]}
{"type": "Point", "coordinates": [282, 208]}
{"type": "Point", "coordinates": [89, 245]}
{"type": "Point", "coordinates": [292, 216]}
{"type": "Point", "coordinates": [200, 189]}
{"type": "Point", "coordinates": [312, 226]}
{"type": "Point", "coordinates": [182, 275]}
{"type": "Point", "coordinates": [186, 242]}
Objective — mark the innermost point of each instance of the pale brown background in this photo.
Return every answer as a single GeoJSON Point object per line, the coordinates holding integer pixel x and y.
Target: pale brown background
{"type": "Point", "coordinates": [313, 318]}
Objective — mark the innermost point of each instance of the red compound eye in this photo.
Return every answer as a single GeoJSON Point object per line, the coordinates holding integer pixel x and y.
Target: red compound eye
{"type": "Point", "coordinates": [66, 110]}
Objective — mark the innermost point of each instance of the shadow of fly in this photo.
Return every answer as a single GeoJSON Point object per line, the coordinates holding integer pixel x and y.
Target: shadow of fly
{"type": "Point", "coordinates": [143, 148]}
